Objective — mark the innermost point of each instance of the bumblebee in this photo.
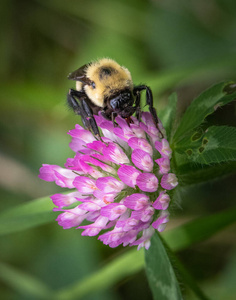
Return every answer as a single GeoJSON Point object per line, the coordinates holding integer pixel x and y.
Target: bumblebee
{"type": "Point", "coordinates": [106, 87]}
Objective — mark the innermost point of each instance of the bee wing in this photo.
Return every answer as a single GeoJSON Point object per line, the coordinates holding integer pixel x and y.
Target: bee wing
{"type": "Point", "coordinates": [80, 75]}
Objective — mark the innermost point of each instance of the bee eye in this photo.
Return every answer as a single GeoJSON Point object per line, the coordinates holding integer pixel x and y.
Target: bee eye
{"type": "Point", "coordinates": [93, 85]}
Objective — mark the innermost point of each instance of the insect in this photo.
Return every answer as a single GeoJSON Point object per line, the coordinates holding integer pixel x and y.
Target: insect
{"type": "Point", "coordinates": [106, 87]}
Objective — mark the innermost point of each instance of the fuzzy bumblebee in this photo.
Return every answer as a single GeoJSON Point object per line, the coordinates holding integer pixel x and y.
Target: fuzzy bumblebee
{"type": "Point", "coordinates": [106, 87]}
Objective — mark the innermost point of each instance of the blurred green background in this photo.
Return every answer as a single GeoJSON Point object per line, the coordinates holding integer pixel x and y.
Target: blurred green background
{"type": "Point", "coordinates": [182, 46]}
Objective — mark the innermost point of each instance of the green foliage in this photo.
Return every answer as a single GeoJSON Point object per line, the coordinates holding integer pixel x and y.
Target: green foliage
{"type": "Point", "coordinates": [200, 151]}
{"type": "Point", "coordinates": [216, 145]}
{"type": "Point", "coordinates": [160, 273]}
{"type": "Point", "coordinates": [160, 265]}
{"type": "Point", "coordinates": [201, 107]}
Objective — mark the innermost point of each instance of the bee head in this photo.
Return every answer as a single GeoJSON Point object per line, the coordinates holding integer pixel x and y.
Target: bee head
{"type": "Point", "coordinates": [121, 100]}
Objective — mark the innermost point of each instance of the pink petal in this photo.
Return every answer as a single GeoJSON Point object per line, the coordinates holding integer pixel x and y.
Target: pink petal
{"type": "Point", "coordinates": [77, 144]}
{"type": "Point", "coordinates": [122, 123]}
{"type": "Point", "coordinates": [80, 133]}
{"type": "Point", "coordinates": [169, 181]}
{"type": "Point", "coordinates": [164, 165]}
{"type": "Point", "coordinates": [46, 172]}
{"type": "Point", "coordinates": [124, 131]}
{"type": "Point", "coordinates": [153, 136]}
{"type": "Point", "coordinates": [144, 215]}
{"type": "Point", "coordinates": [128, 224]}
{"type": "Point", "coordinates": [136, 201]}
{"type": "Point", "coordinates": [147, 119]}
{"type": "Point", "coordinates": [91, 204]}
{"type": "Point", "coordinates": [73, 163]}
{"type": "Point", "coordinates": [129, 237]}
{"type": "Point", "coordinates": [164, 148]}
{"type": "Point", "coordinates": [62, 177]}
{"type": "Point", "coordinates": [85, 185]}
{"type": "Point", "coordinates": [128, 174]}
{"type": "Point", "coordinates": [139, 132]}
{"type": "Point", "coordinates": [96, 145]}
{"type": "Point", "coordinates": [123, 134]}
{"type": "Point", "coordinates": [107, 128]}
{"type": "Point", "coordinates": [62, 200]}
{"type": "Point", "coordinates": [106, 198]}
{"type": "Point", "coordinates": [94, 228]}
{"type": "Point", "coordinates": [80, 137]}
{"type": "Point", "coordinates": [113, 211]}
{"type": "Point", "coordinates": [162, 202]}
{"type": "Point", "coordinates": [109, 184]}
{"type": "Point", "coordinates": [115, 154]}
{"type": "Point", "coordinates": [92, 166]}
{"type": "Point", "coordinates": [142, 160]}
{"type": "Point", "coordinates": [163, 219]}
{"type": "Point", "coordinates": [87, 168]}
{"type": "Point", "coordinates": [140, 143]}
{"type": "Point", "coordinates": [147, 182]}
{"type": "Point", "coordinates": [71, 218]}
{"type": "Point", "coordinates": [144, 241]}
{"type": "Point", "coordinates": [111, 237]}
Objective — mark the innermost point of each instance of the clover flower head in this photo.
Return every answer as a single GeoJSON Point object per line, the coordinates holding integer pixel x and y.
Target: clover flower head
{"type": "Point", "coordinates": [121, 183]}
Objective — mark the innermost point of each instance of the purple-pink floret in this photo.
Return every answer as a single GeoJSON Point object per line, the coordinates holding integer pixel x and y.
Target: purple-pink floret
{"type": "Point", "coordinates": [120, 185]}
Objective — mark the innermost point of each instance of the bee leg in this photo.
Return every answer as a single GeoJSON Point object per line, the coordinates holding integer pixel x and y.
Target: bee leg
{"type": "Point", "coordinates": [113, 116]}
{"type": "Point", "coordinates": [77, 108]}
{"type": "Point", "coordinates": [149, 102]}
{"type": "Point", "coordinates": [72, 102]}
{"type": "Point", "coordinates": [110, 116]}
{"type": "Point", "coordinates": [137, 107]}
{"type": "Point", "coordinates": [82, 108]}
{"type": "Point", "coordinates": [91, 120]}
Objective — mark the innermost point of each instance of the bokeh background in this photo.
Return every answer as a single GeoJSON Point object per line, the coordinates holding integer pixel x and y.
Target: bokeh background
{"type": "Point", "coordinates": [182, 46]}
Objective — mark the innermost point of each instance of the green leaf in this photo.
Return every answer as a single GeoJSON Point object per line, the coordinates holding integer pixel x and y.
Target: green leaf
{"type": "Point", "coordinates": [202, 106]}
{"type": "Point", "coordinates": [217, 145]}
{"type": "Point", "coordinates": [168, 114]}
{"type": "Point", "coordinates": [27, 215]}
{"type": "Point", "coordinates": [24, 283]}
{"type": "Point", "coordinates": [160, 273]}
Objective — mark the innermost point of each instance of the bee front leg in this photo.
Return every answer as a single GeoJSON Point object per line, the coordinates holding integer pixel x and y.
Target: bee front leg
{"type": "Point", "coordinates": [113, 116]}
{"type": "Point", "coordinates": [138, 112]}
{"type": "Point", "coordinates": [82, 108]}
{"type": "Point", "coordinates": [109, 116]}
{"type": "Point", "coordinates": [149, 102]}
{"type": "Point", "coordinates": [76, 105]}
{"type": "Point", "coordinates": [91, 120]}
